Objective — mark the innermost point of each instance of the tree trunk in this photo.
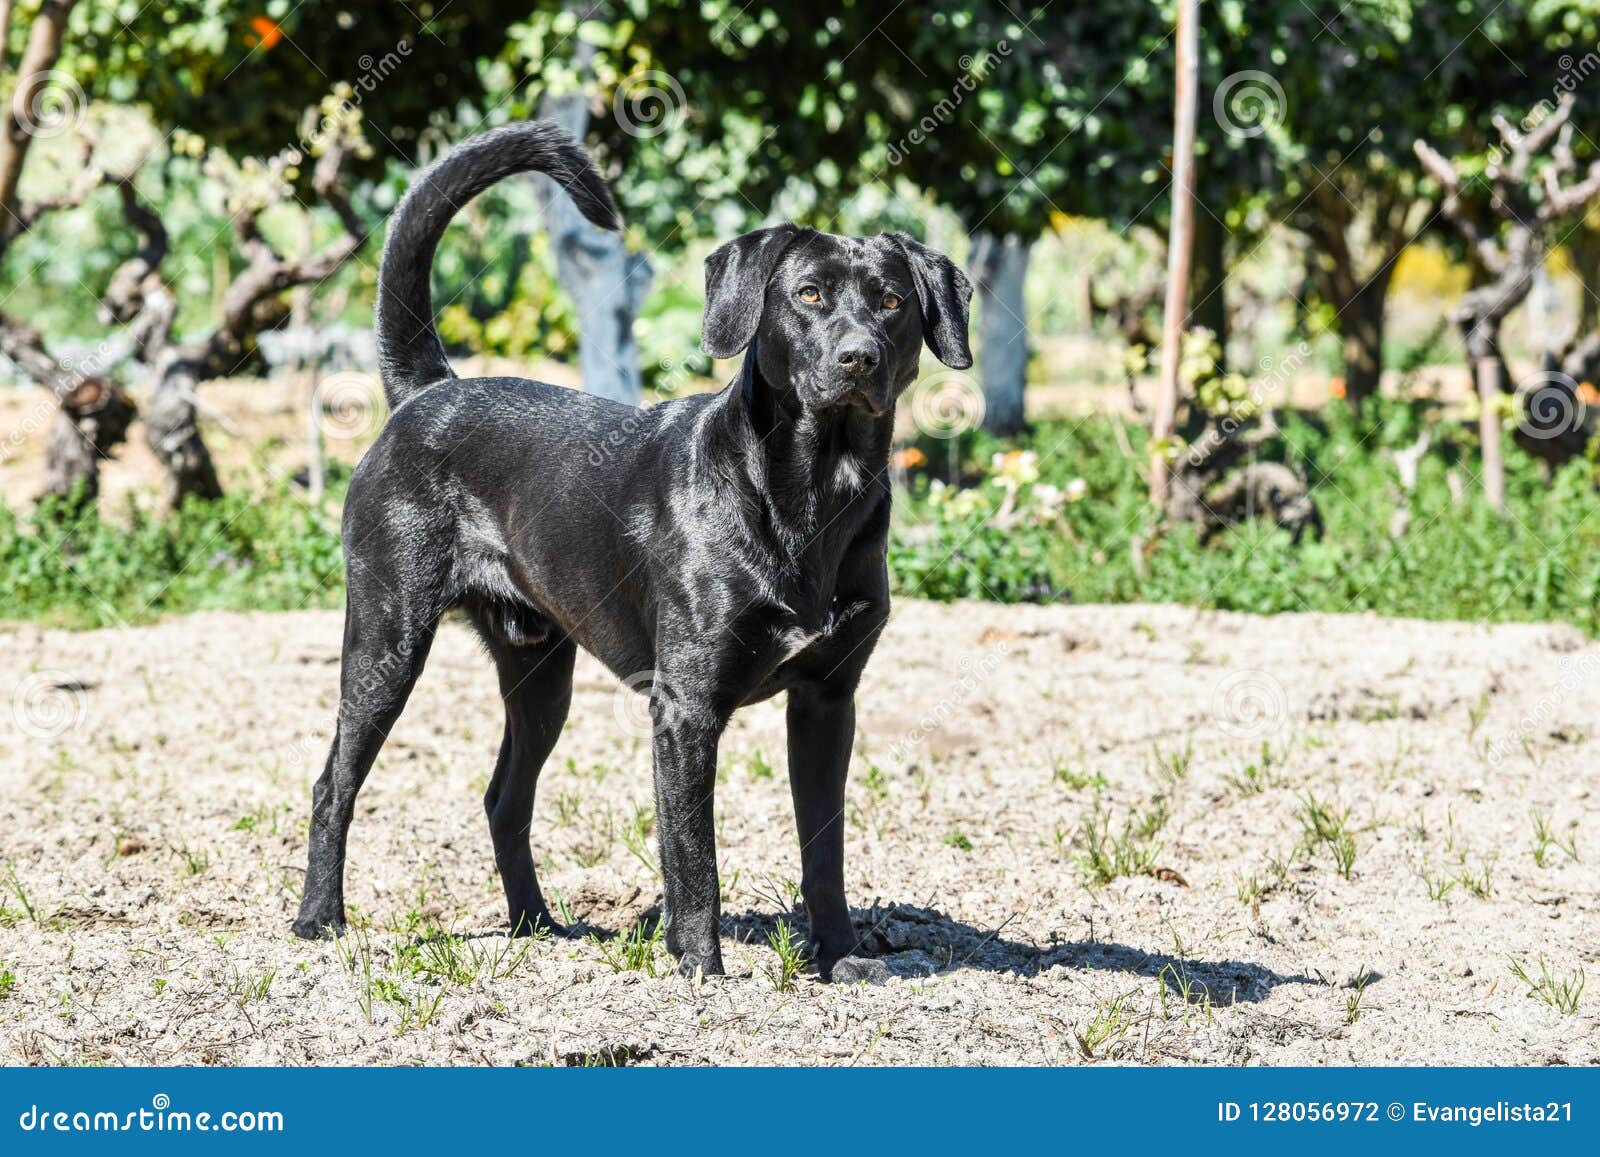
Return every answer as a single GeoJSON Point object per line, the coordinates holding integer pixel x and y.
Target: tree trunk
{"type": "Point", "coordinates": [1361, 328]}
{"type": "Point", "coordinates": [1583, 246]}
{"type": "Point", "coordinates": [92, 421]}
{"type": "Point", "coordinates": [1180, 245]}
{"type": "Point", "coordinates": [1208, 275]}
{"type": "Point", "coordinates": [606, 283]}
{"type": "Point", "coordinates": [172, 429]}
{"type": "Point", "coordinates": [999, 267]}
{"type": "Point", "coordinates": [94, 413]}
{"type": "Point", "coordinates": [33, 74]}
{"type": "Point", "coordinates": [1479, 317]}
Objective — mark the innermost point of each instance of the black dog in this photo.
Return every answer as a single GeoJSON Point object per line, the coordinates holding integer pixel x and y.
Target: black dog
{"type": "Point", "coordinates": [723, 547]}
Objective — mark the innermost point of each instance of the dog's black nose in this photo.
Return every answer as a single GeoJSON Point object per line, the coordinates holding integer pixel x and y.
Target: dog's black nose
{"type": "Point", "coordinates": [858, 355]}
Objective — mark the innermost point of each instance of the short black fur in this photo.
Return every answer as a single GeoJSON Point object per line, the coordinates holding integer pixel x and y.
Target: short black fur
{"type": "Point", "coordinates": [711, 551]}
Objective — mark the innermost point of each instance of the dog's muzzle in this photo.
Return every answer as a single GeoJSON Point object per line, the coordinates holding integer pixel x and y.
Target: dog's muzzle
{"type": "Point", "coordinates": [860, 375]}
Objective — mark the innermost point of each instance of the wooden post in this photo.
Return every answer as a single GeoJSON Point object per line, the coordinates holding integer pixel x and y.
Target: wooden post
{"type": "Point", "coordinates": [1180, 241]}
{"type": "Point", "coordinates": [1489, 399]}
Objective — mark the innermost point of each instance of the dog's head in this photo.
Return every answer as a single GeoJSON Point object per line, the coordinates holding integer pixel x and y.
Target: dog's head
{"type": "Point", "coordinates": [840, 321]}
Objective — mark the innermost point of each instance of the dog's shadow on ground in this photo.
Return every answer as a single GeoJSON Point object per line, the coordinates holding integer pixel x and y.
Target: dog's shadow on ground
{"type": "Point", "coordinates": [914, 941]}
{"type": "Point", "coordinates": [917, 941]}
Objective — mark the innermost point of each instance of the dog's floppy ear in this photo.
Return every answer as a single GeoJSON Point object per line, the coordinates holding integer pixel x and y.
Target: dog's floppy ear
{"type": "Point", "coordinates": [736, 287]}
{"type": "Point", "coordinates": [944, 293]}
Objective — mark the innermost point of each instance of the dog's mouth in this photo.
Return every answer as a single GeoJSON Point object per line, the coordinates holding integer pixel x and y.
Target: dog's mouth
{"type": "Point", "coordinates": [853, 395]}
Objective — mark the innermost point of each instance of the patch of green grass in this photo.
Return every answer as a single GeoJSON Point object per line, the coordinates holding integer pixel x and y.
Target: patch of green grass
{"type": "Point", "coordinates": [1439, 886]}
{"type": "Point", "coordinates": [1256, 777]}
{"type": "Point", "coordinates": [196, 861]}
{"type": "Point", "coordinates": [1329, 826]}
{"type": "Point", "coordinates": [1175, 980]}
{"type": "Point", "coordinates": [959, 840]}
{"type": "Point", "coordinates": [1352, 1003]}
{"type": "Point", "coordinates": [1072, 778]}
{"type": "Point", "coordinates": [1109, 853]}
{"type": "Point", "coordinates": [448, 959]}
{"type": "Point", "coordinates": [14, 885]}
{"type": "Point", "coordinates": [354, 951]}
{"type": "Point", "coordinates": [634, 950]}
{"type": "Point", "coordinates": [636, 835]}
{"type": "Point", "coordinates": [1172, 764]}
{"type": "Point", "coordinates": [265, 549]}
{"type": "Point", "coordinates": [1559, 992]}
{"type": "Point", "coordinates": [1545, 838]}
{"type": "Point", "coordinates": [782, 892]}
{"type": "Point", "coordinates": [416, 1008]}
{"type": "Point", "coordinates": [248, 988]}
{"type": "Point", "coordinates": [1110, 1022]}
{"type": "Point", "coordinates": [8, 982]}
{"type": "Point", "coordinates": [1481, 882]}
{"type": "Point", "coordinates": [790, 950]}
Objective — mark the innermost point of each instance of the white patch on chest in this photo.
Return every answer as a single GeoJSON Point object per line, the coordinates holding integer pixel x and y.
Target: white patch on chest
{"type": "Point", "coordinates": [847, 473]}
{"type": "Point", "coordinates": [793, 640]}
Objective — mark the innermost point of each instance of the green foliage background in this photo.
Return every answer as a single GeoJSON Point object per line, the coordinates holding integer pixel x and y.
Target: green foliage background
{"type": "Point", "coordinates": [268, 550]}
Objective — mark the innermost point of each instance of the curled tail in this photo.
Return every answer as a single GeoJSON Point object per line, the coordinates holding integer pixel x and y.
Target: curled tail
{"type": "Point", "coordinates": [410, 354]}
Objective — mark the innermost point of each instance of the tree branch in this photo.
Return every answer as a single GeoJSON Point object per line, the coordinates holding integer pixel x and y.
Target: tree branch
{"type": "Point", "coordinates": [1449, 178]}
{"type": "Point", "coordinates": [38, 58]}
{"type": "Point", "coordinates": [269, 273]}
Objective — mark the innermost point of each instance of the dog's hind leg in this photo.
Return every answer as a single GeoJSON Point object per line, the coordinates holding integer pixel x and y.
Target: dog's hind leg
{"type": "Point", "coordinates": [536, 684]}
{"type": "Point", "coordinates": [389, 625]}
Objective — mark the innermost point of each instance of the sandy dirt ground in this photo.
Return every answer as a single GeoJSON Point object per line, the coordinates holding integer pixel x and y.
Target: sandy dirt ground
{"type": "Point", "coordinates": [1342, 837]}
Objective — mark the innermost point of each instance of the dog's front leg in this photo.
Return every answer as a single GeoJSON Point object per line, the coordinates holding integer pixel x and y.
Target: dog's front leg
{"type": "Point", "coordinates": [822, 728]}
{"type": "Point", "coordinates": [685, 748]}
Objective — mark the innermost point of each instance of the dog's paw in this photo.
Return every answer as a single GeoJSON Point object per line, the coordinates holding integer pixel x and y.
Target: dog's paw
{"type": "Point", "coordinates": [691, 965]}
{"type": "Point", "coordinates": [544, 925]}
{"type": "Point", "coordinates": [858, 970]}
{"type": "Point", "coordinates": [315, 928]}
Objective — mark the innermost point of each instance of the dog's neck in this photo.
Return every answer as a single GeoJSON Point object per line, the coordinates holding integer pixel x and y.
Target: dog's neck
{"type": "Point", "coordinates": [811, 471]}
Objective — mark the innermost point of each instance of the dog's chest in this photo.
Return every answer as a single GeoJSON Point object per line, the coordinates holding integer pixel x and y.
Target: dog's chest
{"type": "Point", "coordinates": [796, 637]}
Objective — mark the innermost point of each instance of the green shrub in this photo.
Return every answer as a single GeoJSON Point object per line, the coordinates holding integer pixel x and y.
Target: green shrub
{"type": "Point", "coordinates": [1540, 560]}
{"type": "Point", "coordinates": [265, 551]}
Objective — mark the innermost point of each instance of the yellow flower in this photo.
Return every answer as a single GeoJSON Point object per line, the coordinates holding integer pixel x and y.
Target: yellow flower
{"type": "Point", "coordinates": [1017, 467]}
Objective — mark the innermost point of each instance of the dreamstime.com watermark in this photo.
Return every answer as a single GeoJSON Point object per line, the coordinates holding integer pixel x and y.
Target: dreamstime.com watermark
{"type": "Point", "coordinates": [351, 95]}
{"type": "Point", "coordinates": [55, 107]}
{"type": "Point", "coordinates": [349, 405]}
{"type": "Point", "coordinates": [1249, 704]}
{"type": "Point", "coordinates": [160, 1117]}
{"type": "Point", "coordinates": [46, 705]}
{"type": "Point", "coordinates": [947, 404]}
{"type": "Point", "coordinates": [364, 675]}
{"type": "Point", "coordinates": [649, 104]}
{"type": "Point", "coordinates": [1272, 384]}
{"type": "Point", "coordinates": [974, 71]}
{"type": "Point", "coordinates": [971, 676]}
{"type": "Point", "coordinates": [1249, 103]}
{"type": "Point", "coordinates": [1574, 673]}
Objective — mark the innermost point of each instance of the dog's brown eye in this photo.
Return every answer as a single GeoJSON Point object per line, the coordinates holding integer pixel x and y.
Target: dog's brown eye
{"type": "Point", "coordinates": [809, 294]}
{"type": "Point", "coordinates": [891, 301]}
